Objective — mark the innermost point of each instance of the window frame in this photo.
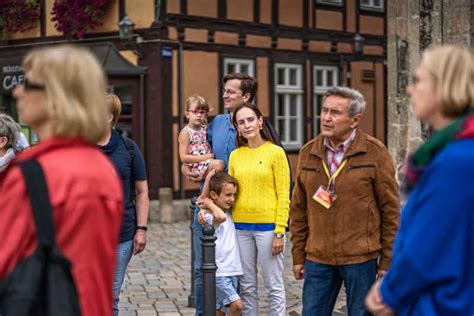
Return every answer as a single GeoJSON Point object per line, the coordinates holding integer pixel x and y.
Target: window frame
{"type": "Point", "coordinates": [319, 90]}
{"type": "Point", "coordinates": [372, 7]}
{"type": "Point", "coordinates": [329, 2]}
{"type": "Point", "coordinates": [289, 90]}
{"type": "Point", "coordinates": [239, 61]}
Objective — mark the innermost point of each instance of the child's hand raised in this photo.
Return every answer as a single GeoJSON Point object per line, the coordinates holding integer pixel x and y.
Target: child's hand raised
{"type": "Point", "coordinates": [202, 217]}
{"type": "Point", "coordinates": [207, 203]}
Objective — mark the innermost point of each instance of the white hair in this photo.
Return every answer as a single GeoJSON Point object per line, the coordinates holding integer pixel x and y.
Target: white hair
{"type": "Point", "coordinates": [356, 99]}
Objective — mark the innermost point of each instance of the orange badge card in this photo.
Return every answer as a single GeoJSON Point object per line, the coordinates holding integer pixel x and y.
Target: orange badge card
{"type": "Point", "coordinates": [323, 197]}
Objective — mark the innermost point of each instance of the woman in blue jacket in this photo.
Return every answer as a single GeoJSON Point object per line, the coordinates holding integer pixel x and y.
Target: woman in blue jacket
{"type": "Point", "coordinates": [432, 271]}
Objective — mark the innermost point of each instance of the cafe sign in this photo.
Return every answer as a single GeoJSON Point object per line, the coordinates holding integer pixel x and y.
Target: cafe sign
{"type": "Point", "coordinates": [11, 74]}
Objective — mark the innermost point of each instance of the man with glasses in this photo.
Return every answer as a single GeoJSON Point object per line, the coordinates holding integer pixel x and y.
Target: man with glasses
{"type": "Point", "coordinates": [344, 208]}
{"type": "Point", "coordinates": [238, 88]}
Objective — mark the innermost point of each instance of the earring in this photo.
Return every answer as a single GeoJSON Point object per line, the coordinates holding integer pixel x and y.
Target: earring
{"type": "Point", "coordinates": [260, 126]}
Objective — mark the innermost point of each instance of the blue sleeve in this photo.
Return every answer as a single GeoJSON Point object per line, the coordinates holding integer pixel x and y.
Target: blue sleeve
{"type": "Point", "coordinates": [209, 133]}
{"type": "Point", "coordinates": [431, 246]}
{"type": "Point", "coordinates": [139, 170]}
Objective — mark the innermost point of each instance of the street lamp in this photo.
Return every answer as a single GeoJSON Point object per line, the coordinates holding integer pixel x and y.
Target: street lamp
{"type": "Point", "coordinates": [358, 43]}
{"type": "Point", "coordinates": [126, 28]}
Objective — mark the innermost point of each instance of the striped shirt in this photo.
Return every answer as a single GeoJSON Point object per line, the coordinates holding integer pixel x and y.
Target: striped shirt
{"type": "Point", "coordinates": [334, 155]}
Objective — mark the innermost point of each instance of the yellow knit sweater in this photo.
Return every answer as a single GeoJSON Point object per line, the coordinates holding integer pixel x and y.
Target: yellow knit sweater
{"type": "Point", "coordinates": [263, 176]}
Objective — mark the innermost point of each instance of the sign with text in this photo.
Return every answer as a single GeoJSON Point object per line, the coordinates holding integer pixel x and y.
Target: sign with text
{"type": "Point", "coordinates": [166, 53]}
{"type": "Point", "coordinates": [11, 74]}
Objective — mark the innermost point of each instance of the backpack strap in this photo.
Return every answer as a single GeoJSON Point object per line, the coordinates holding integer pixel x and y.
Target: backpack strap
{"type": "Point", "coordinates": [131, 151]}
{"type": "Point", "coordinates": [37, 190]}
{"type": "Point", "coordinates": [130, 147]}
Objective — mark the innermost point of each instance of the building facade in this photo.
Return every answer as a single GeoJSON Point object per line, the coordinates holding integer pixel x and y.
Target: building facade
{"type": "Point", "coordinates": [414, 26]}
{"type": "Point", "coordinates": [296, 49]}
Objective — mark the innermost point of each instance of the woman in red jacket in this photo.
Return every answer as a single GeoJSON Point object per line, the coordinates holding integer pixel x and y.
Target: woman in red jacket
{"type": "Point", "coordinates": [63, 100]}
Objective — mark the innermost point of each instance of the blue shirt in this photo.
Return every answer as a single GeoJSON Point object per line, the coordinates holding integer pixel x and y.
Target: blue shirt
{"type": "Point", "coordinates": [118, 153]}
{"type": "Point", "coordinates": [221, 136]}
{"type": "Point", "coordinates": [433, 256]}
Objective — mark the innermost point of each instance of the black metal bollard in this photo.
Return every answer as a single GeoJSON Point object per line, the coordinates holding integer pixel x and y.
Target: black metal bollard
{"type": "Point", "coordinates": [208, 268]}
{"type": "Point", "coordinates": [191, 297]}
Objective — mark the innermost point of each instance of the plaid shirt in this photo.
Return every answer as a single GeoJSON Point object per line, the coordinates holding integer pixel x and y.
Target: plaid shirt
{"type": "Point", "coordinates": [334, 156]}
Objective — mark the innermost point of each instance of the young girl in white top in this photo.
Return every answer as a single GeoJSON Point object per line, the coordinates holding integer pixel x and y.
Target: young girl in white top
{"type": "Point", "coordinates": [194, 149]}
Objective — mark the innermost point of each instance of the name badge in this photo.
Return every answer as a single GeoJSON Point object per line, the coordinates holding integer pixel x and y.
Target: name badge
{"type": "Point", "coordinates": [323, 197]}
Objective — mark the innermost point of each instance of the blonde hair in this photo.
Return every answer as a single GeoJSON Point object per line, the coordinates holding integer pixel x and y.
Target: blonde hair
{"type": "Point", "coordinates": [75, 88]}
{"type": "Point", "coordinates": [9, 129]}
{"type": "Point", "coordinates": [201, 103]}
{"type": "Point", "coordinates": [115, 107]}
{"type": "Point", "coordinates": [452, 69]}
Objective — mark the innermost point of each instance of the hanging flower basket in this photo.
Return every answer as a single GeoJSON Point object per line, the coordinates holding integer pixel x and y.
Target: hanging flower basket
{"type": "Point", "coordinates": [74, 17]}
{"type": "Point", "coordinates": [18, 15]}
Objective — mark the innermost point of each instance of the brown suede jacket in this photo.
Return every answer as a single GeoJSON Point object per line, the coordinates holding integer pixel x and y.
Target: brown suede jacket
{"type": "Point", "coordinates": [362, 221]}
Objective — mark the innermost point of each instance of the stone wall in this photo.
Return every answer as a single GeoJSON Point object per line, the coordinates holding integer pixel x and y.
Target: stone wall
{"type": "Point", "coordinates": [414, 25]}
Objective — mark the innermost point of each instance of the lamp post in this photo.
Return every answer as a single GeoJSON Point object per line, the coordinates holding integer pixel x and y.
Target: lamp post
{"type": "Point", "coordinates": [126, 28]}
{"type": "Point", "coordinates": [357, 47]}
{"type": "Point", "coordinates": [358, 43]}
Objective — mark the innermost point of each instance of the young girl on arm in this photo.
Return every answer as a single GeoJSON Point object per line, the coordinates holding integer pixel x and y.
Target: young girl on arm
{"type": "Point", "coordinates": [194, 150]}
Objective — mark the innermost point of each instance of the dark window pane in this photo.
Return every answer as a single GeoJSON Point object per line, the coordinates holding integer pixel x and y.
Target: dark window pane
{"type": "Point", "coordinates": [230, 68]}
{"type": "Point", "coordinates": [293, 105]}
{"type": "Point", "coordinates": [281, 129]}
{"type": "Point", "coordinates": [293, 130]}
{"type": "Point", "coordinates": [244, 68]}
{"type": "Point", "coordinates": [319, 103]}
{"type": "Point", "coordinates": [329, 78]}
{"type": "Point", "coordinates": [281, 105]}
{"type": "Point", "coordinates": [293, 77]}
{"type": "Point", "coordinates": [281, 76]}
{"type": "Point", "coordinates": [319, 78]}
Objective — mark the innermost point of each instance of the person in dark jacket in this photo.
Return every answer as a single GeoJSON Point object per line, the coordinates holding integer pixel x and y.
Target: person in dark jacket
{"type": "Point", "coordinates": [129, 164]}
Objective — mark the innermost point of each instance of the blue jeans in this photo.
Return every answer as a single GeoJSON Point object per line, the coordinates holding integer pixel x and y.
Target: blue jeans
{"type": "Point", "coordinates": [322, 283]}
{"type": "Point", "coordinates": [197, 244]}
{"type": "Point", "coordinates": [124, 254]}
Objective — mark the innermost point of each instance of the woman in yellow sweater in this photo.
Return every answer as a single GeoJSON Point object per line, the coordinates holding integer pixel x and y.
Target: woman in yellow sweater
{"type": "Point", "coordinates": [261, 210]}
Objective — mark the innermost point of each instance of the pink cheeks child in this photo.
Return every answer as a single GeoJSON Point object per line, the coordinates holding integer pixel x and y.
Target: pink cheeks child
{"type": "Point", "coordinates": [194, 150]}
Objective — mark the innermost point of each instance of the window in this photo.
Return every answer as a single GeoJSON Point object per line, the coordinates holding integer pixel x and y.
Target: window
{"type": "Point", "coordinates": [289, 104]}
{"type": "Point", "coordinates": [324, 77]}
{"type": "Point", "coordinates": [374, 5]}
{"type": "Point", "coordinates": [245, 66]}
{"type": "Point", "coordinates": [331, 2]}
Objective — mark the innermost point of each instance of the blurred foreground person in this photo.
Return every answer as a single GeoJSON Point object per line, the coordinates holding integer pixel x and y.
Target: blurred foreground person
{"type": "Point", "coordinates": [9, 134]}
{"type": "Point", "coordinates": [62, 100]}
{"type": "Point", "coordinates": [432, 267]}
{"type": "Point", "coordinates": [129, 163]}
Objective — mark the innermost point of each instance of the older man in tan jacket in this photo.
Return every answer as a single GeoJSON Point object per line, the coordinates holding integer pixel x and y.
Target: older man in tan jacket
{"type": "Point", "coordinates": [344, 209]}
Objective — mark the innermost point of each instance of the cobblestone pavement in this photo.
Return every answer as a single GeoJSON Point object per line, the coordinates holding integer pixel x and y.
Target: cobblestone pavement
{"type": "Point", "coordinates": [158, 281]}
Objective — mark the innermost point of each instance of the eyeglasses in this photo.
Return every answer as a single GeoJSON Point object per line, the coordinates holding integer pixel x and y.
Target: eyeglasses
{"type": "Point", "coordinates": [29, 86]}
{"type": "Point", "coordinates": [196, 112]}
{"type": "Point", "coordinates": [229, 92]}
